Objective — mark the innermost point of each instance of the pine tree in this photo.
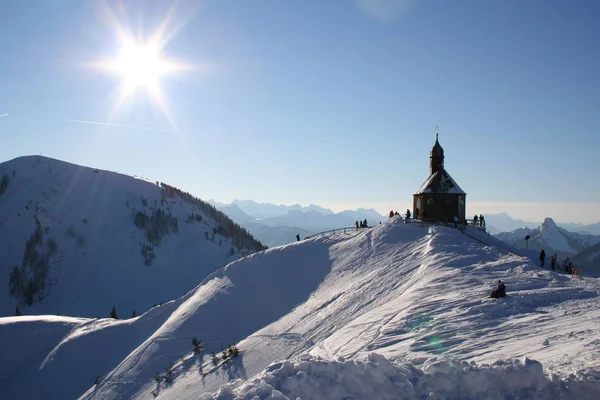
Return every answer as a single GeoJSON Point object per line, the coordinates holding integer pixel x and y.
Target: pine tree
{"type": "Point", "coordinates": [113, 313]}
{"type": "Point", "coordinates": [196, 345]}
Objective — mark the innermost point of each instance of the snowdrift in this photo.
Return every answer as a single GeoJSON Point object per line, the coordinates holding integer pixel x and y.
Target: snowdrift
{"type": "Point", "coordinates": [374, 377]}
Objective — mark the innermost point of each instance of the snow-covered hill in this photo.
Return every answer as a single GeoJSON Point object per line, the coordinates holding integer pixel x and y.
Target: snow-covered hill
{"type": "Point", "coordinates": [78, 241]}
{"type": "Point", "coordinates": [396, 311]}
{"type": "Point", "coordinates": [551, 238]}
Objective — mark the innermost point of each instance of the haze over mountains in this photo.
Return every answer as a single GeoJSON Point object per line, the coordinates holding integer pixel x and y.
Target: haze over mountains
{"type": "Point", "coordinates": [275, 224]}
{"type": "Point", "coordinates": [502, 222]}
{"type": "Point", "coordinates": [78, 241]}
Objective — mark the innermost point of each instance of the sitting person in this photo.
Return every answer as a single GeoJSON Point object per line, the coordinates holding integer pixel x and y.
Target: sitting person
{"type": "Point", "coordinates": [500, 291]}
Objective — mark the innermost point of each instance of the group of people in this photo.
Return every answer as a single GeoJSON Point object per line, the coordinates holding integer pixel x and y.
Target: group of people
{"type": "Point", "coordinates": [478, 221]}
{"type": "Point", "coordinates": [361, 224]}
{"type": "Point", "coordinates": [567, 264]}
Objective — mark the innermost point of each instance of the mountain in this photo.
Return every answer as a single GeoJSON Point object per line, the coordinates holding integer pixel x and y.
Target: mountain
{"type": "Point", "coordinates": [273, 236]}
{"type": "Point", "coordinates": [305, 221]}
{"type": "Point", "coordinates": [269, 210]}
{"type": "Point", "coordinates": [502, 222]}
{"type": "Point", "coordinates": [236, 214]}
{"type": "Point", "coordinates": [583, 229]}
{"type": "Point", "coordinates": [372, 216]}
{"type": "Point", "coordinates": [78, 241]}
{"type": "Point", "coordinates": [589, 258]}
{"type": "Point", "coordinates": [398, 311]}
{"type": "Point", "coordinates": [551, 238]}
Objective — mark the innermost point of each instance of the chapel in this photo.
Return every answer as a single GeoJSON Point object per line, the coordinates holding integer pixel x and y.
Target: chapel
{"type": "Point", "coordinates": [439, 198]}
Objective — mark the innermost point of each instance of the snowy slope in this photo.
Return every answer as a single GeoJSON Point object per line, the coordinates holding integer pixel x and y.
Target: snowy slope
{"type": "Point", "coordinates": [86, 252]}
{"type": "Point", "coordinates": [551, 238]}
{"type": "Point", "coordinates": [416, 295]}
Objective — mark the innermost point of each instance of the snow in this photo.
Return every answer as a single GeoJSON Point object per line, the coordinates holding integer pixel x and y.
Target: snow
{"type": "Point", "coordinates": [89, 215]}
{"type": "Point", "coordinates": [375, 377]}
{"type": "Point", "coordinates": [440, 182]}
{"type": "Point", "coordinates": [395, 310]}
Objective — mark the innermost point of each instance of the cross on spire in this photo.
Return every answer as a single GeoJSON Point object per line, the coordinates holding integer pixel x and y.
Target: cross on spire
{"type": "Point", "coordinates": [437, 132]}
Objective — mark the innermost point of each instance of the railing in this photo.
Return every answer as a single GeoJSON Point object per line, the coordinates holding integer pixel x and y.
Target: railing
{"type": "Point", "coordinates": [340, 230]}
{"type": "Point", "coordinates": [466, 222]}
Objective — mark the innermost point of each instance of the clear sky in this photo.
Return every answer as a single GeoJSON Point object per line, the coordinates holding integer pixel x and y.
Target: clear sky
{"type": "Point", "coordinates": [331, 102]}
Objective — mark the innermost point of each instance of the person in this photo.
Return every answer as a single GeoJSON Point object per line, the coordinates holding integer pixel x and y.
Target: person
{"type": "Point", "coordinates": [396, 213]}
{"type": "Point", "coordinates": [500, 291]}
{"type": "Point", "coordinates": [407, 213]}
{"type": "Point", "coordinates": [542, 257]}
{"type": "Point", "coordinates": [391, 213]}
{"type": "Point", "coordinates": [455, 221]}
{"type": "Point", "coordinates": [298, 237]}
{"type": "Point", "coordinates": [481, 220]}
{"type": "Point", "coordinates": [553, 261]}
{"type": "Point", "coordinates": [475, 220]}
{"type": "Point", "coordinates": [356, 223]}
{"type": "Point", "coordinates": [365, 223]}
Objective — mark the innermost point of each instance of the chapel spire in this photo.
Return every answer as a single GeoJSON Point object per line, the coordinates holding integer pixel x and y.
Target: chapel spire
{"type": "Point", "coordinates": [436, 156]}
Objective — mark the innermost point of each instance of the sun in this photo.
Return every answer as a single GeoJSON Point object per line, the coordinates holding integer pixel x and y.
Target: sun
{"type": "Point", "coordinates": [140, 66]}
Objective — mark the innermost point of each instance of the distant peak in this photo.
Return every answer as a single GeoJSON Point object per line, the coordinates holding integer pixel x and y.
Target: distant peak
{"type": "Point", "coordinates": [549, 224]}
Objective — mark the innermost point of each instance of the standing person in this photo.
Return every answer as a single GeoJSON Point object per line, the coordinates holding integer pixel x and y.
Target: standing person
{"type": "Point", "coordinates": [298, 237]}
{"type": "Point", "coordinates": [407, 213]}
{"type": "Point", "coordinates": [475, 220]}
{"type": "Point", "coordinates": [391, 213]}
{"type": "Point", "coordinates": [480, 219]}
{"type": "Point", "coordinates": [365, 223]}
{"type": "Point", "coordinates": [542, 257]}
{"type": "Point", "coordinates": [553, 261]}
{"type": "Point", "coordinates": [356, 223]}
{"type": "Point", "coordinates": [455, 221]}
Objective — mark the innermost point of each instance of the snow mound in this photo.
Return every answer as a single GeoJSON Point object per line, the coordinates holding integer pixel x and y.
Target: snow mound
{"type": "Point", "coordinates": [374, 377]}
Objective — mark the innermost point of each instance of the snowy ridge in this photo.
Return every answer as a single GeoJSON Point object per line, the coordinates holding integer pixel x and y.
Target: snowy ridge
{"type": "Point", "coordinates": [416, 295]}
{"type": "Point", "coordinates": [96, 239]}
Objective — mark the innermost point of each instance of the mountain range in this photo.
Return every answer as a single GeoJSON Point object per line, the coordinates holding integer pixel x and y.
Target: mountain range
{"type": "Point", "coordinates": [275, 225]}
{"type": "Point", "coordinates": [550, 237]}
{"type": "Point", "coordinates": [79, 241]}
{"type": "Point", "coordinates": [503, 222]}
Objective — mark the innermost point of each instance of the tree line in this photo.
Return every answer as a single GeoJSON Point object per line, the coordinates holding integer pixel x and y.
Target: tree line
{"type": "Point", "coordinates": [240, 237]}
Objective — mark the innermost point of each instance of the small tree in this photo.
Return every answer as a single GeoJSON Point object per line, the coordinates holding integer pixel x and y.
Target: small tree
{"type": "Point", "coordinates": [234, 351]}
{"type": "Point", "coordinates": [113, 313]}
{"type": "Point", "coordinates": [196, 345]}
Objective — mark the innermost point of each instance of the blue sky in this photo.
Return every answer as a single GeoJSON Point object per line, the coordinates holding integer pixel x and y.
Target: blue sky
{"type": "Point", "coordinates": [317, 101]}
